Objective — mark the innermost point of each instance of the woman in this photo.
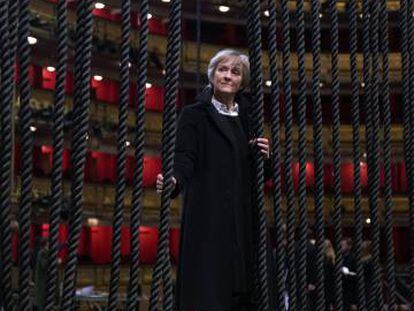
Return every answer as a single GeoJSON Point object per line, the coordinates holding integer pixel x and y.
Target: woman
{"type": "Point", "coordinates": [213, 170]}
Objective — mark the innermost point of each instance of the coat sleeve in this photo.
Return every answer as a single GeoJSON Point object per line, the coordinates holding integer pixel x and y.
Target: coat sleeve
{"type": "Point", "coordinates": [186, 150]}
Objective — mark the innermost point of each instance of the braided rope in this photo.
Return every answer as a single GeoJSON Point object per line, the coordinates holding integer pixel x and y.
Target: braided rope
{"type": "Point", "coordinates": [336, 145]}
{"type": "Point", "coordinates": [118, 217]}
{"type": "Point", "coordinates": [79, 143]}
{"type": "Point", "coordinates": [256, 83]}
{"type": "Point", "coordinates": [6, 101]}
{"type": "Point", "coordinates": [162, 269]}
{"type": "Point", "coordinates": [318, 154]}
{"type": "Point", "coordinates": [276, 160]}
{"type": "Point", "coordinates": [58, 146]}
{"type": "Point", "coordinates": [358, 213]}
{"type": "Point", "coordinates": [388, 204]}
{"type": "Point", "coordinates": [410, 34]}
{"type": "Point", "coordinates": [13, 27]}
{"type": "Point", "coordinates": [375, 299]}
{"type": "Point", "coordinates": [290, 195]}
{"type": "Point", "coordinates": [137, 191]}
{"type": "Point", "coordinates": [303, 204]}
{"type": "Point", "coordinates": [26, 166]}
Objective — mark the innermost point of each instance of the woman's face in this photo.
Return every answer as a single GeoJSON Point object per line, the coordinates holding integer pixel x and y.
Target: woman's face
{"type": "Point", "coordinates": [228, 76]}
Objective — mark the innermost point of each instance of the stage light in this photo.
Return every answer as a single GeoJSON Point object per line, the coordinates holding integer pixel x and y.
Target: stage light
{"type": "Point", "coordinates": [33, 128]}
{"type": "Point", "coordinates": [224, 8]}
{"type": "Point", "coordinates": [127, 143]}
{"type": "Point", "coordinates": [97, 78]}
{"type": "Point", "coordinates": [149, 15]}
{"type": "Point", "coordinates": [148, 85]}
{"type": "Point", "coordinates": [165, 1]}
{"type": "Point", "coordinates": [50, 68]}
{"type": "Point", "coordinates": [93, 221]}
{"type": "Point", "coordinates": [32, 40]}
{"type": "Point", "coordinates": [266, 13]}
{"type": "Point", "coordinates": [268, 83]}
{"type": "Point", "coordinates": [368, 220]}
{"type": "Point", "coordinates": [99, 5]}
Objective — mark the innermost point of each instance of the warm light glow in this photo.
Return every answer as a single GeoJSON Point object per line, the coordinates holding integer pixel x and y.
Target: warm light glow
{"type": "Point", "coordinates": [320, 84]}
{"type": "Point", "coordinates": [368, 220]}
{"type": "Point", "coordinates": [149, 15]}
{"type": "Point", "coordinates": [97, 78]}
{"type": "Point", "coordinates": [224, 8]}
{"type": "Point", "coordinates": [31, 40]}
{"type": "Point", "coordinates": [363, 84]}
{"type": "Point", "coordinates": [93, 221]}
{"type": "Point", "coordinates": [148, 85]}
{"type": "Point", "coordinates": [165, 1]}
{"type": "Point", "coordinates": [33, 128]}
{"type": "Point", "coordinates": [127, 143]}
{"type": "Point", "coordinates": [99, 5]}
{"type": "Point", "coordinates": [266, 13]}
{"type": "Point", "coordinates": [320, 15]}
{"type": "Point", "coordinates": [50, 68]}
{"type": "Point", "coordinates": [268, 83]}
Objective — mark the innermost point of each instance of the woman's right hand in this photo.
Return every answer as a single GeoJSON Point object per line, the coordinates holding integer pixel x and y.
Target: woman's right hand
{"type": "Point", "coordinates": [160, 183]}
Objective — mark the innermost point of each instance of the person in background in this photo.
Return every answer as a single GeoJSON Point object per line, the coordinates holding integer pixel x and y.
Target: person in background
{"type": "Point", "coordinates": [368, 266]}
{"type": "Point", "coordinates": [348, 280]}
{"type": "Point", "coordinates": [213, 169]}
{"type": "Point", "coordinates": [329, 265]}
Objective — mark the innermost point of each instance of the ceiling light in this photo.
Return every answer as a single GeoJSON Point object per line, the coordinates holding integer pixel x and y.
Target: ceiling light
{"type": "Point", "coordinates": [165, 1]}
{"type": "Point", "coordinates": [368, 220]}
{"type": "Point", "coordinates": [97, 78]}
{"type": "Point", "coordinates": [33, 128]}
{"type": "Point", "coordinates": [93, 221]}
{"type": "Point", "coordinates": [148, 85]}
{"type": "Point", "coordinates": [32, 40]}
{"type": "Point", "coordinates": [320, 15]}
{"type": "Point", "coordinates": [149, 15]}
{"type": "Point", "coordinates": [127, 143]}
{"type": "Point", "coordinates": [268, 83]}
{"type": "Point", "coordinates": [266, 13]}
{"type": "Point", "coordinates": [224, 8]}
{"type": "Point", "coordinates": [50, 68]}
{"type": "Point", "coordinates": [99, 5]}
{"type": "Point", "coordinates": [320, 84]}
{"type": "Point", "coordinates": [363, 84]}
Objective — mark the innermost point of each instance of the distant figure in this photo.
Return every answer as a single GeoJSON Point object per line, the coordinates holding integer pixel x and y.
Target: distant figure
{"type": "Point", "coordinates": [329, 265]}
{"type": "Point", "coordinates": [40, 274]}
{"type": "Point", "coordinates": [368, 266]}
{"type": "Point", "coordinates": [349, 281]}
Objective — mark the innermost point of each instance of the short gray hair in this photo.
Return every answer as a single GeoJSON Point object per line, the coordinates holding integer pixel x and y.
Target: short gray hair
{"type": "Point", "coordinates": [223, 54]}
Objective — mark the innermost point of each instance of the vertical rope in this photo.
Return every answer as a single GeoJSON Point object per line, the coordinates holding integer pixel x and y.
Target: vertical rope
{"type": "Point", "coordinates": [276, 160]}
{"type": "Point", "coordinates": [58, 146]}
{"type": "Point", "coordinates": [290, 195]}
{"type": "Point", "coordinates": [26, 162]}
{"type": "Point", "coordinates": [198, 20]}
{"type": "Point", "coordinates": [118, 217]}
{"type": "Point", "coordinates": [6, 102]}
{"type": "Point", "coordinates": [375, 300]}
{"type": "Point", "coordinates": [256, 85]}
{"type": "Point", "coordinates": [386, 111]}
{"type": "Point", "coordinates": [162, 269]}
{"type": "Point", "coordinates": [79, 143]}
{"type": "Point", "coordinates": [303, 204]}
{"type": "Point", "coordinates": [410, 34]}
{"type": "Point", "coordinates": [356, 148]}
{"type": "Point", "coordinates": [318, 154]}
{"type": "Point", "coordinates": [137, 191]}
{"type": "Point", "coordinates": [336, 145]}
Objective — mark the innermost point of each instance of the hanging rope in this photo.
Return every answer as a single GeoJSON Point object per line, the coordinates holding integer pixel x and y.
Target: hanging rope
{"type": "Point", "coordinates": [356, 148]}
{"type": "Point", "coordinates": [387, 141]}
{"type": "Point", "coordinates": [276, 160]}
{"type": "Point", "coordinates": [26, 162]}
{"type": "Point", "coordinates": [256, 83]}
{"type": "Point", "coordinates": [336, 146]}
{"type": "Point", "coordinates": [6, 102]}
{"type": "Point", "coordinates": [162, 269]}
{"type": "Point", "coordinates": [375, 297]}
{"type": "Point", "coordinates": [303, 204]}
{"type": "Point", "coordinates": [118, 217]}
{"type": "Point", "coordinates": [79, 143]}
{"type": "Point", "coordinates": [410, 34]}
{"type": "Point", "coordinates": [318, 155]}
{"type": "Point", "coordinates": [198, 20]}
{"type": "Point", "coordinates": [58, 146]}
{"type": "Point", "coordinates": [137, 192]}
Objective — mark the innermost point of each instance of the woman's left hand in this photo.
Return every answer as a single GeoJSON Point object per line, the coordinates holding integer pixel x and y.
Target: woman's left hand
{"type": "Point", "coordinates": [263, 144]}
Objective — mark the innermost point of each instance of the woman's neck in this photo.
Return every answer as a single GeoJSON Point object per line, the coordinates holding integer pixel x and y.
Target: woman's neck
{"type": "Point", "coordinates": [225, 99]}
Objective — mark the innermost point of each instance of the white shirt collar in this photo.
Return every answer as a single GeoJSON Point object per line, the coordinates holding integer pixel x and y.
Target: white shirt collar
{"type": "Point", "coordinates": [222, 109]}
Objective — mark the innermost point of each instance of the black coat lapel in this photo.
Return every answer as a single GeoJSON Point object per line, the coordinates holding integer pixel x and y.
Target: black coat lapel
{"type": "Point", "coordinates": [221, 123]}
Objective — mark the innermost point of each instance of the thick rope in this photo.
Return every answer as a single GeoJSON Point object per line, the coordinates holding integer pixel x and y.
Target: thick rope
{"type": "Point", "coordinates": [26, 162]}
{"type": "Point", "coordinates": [375, 298]}
{"type": "Point", "coordinates": [58, 146]}
{"type": "Point", "coordinates": [6, 101]}
{"type": "Point", "coordinates": [410, 34]}
{"type": "Point", "coordinates": [276, 157]}
{"type": "Point", "coordinates": [336, 146]}
{"type": "Point", "coordinates": [256, 86]}
{"type": "Point", "coordinates": [318, 155]}
{"type": "Point", "coordinates": [118, 217]}
{"type": "Point", "coordinates": [303, 202]}
{"type": "Point", "coordinates": [79, 143]}
{"type": "Point", "coordinates": [290, 194]}
{"type": "Point", "coordinates": [386, 112]}
{"type": "Point", "coordinates": [162, 269]}
{"type": "Point", "coordinates": [356, 148]}
{"type": "Point", "coordinates": [137, 191]}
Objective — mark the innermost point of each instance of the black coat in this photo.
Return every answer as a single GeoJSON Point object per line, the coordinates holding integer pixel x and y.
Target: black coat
{"type": "Point", "coordinates": [205, 172]}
